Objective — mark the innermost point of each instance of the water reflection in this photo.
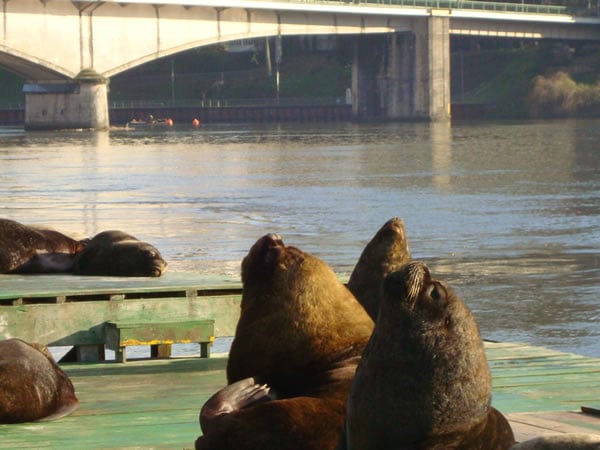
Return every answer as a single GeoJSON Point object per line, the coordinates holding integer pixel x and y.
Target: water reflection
{"type": "Point", "coordinates": [441, 153]}
{"type": "Point", "coordinates": [505, 212]}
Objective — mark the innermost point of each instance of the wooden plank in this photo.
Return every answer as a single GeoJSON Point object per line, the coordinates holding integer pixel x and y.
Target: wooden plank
{"type": "Point", "coordinates": [533, 379]}
{"type": "Point", "coordinates": [530, 425]}
{"type": "Point", "coordinates": [48, 286]}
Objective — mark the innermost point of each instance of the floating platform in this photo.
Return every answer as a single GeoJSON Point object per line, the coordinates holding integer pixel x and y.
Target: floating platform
{"type": "Point", "coordinates": [154, 403]}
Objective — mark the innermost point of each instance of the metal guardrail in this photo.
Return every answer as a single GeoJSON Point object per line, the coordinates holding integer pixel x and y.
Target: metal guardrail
{"type": "Point", "coordinates": [460, 4]}
{"type": "Point", "coordinates": [231, 102]}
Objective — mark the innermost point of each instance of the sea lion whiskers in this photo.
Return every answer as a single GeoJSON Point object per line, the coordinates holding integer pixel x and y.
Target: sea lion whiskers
{"type": "Point", "coordinates": [408, 283]}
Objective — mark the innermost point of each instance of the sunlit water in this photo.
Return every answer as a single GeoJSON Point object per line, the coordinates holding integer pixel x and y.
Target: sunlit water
{"type": "Point", "coordinates": [507, 213]}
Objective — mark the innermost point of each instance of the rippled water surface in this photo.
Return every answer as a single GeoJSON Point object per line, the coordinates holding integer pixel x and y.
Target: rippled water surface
{"type": "Point", "coordinates": [507, 213]}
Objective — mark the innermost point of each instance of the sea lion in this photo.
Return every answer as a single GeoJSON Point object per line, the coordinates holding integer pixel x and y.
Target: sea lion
{"type": "Point", "coordinates": [32, 386]}
{"type": "Point", "coordinates": [116, 253]}
{"type": "Point", "coordinates": [293, 357]}
{"type": "Point", "coordinates": [385, 253]}
{"type": "Point", "coordinates": [423, 380]}
{"type": "Point", "coordinates": [30, 249]}
{"type": "Point", "coordinates": [570, 441]}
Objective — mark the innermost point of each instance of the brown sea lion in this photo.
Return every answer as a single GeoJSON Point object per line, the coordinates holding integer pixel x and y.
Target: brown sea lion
{"type": "Point", "coordinates": [293, 357]}
{"type": "Point", "coordinates": [423, 381]}
{"type": "Point", "coordinates": [385, 253]}
{"type": "Point", "coordinates": [116, 253]}
{"type": "Point", "coordinates": [32, 386]}
{"type": "Point", "coordinates": [29, 249]}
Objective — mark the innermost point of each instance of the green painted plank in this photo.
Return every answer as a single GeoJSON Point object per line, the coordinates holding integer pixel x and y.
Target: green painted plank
{"type": "Point", "coordinates": [76, 323]}
{"type": "Point", "coordinates": [529, 379]}
{"type": "Point", "coordinates": [32, 286]}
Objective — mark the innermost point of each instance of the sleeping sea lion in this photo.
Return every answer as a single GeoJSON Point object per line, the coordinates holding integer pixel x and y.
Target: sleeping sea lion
{"type": "Point", "coordinates": [385, 253]}
{"type": "Point", "coordinates": [32, 386]}
{"type": "Point", "coordinates": [116, 253]}
{"type": "Point", "coordinates": [29, 249]}
{"type": "Point", "coordinates": [293, 357]}
{"type": "Point", "coordinates": [423, 381]}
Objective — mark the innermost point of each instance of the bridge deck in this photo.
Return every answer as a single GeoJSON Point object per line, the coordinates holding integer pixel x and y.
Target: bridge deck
{"type": "Point", "coordinates": [155, 403]}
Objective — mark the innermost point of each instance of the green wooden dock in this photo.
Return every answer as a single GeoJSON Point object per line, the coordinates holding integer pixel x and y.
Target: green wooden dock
{"type": "Point", "coordinates": [154, 403]}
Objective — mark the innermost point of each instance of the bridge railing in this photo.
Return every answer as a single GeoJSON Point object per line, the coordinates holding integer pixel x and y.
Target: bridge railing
{"type": "Point", "coordinates": [228, 102]}
{"type": "Point", "coordinates": [459, 4]}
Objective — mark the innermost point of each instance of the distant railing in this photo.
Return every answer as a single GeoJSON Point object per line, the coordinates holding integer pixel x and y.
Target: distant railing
{"type": "Point", "coordinates": [229, 102]}
{"type": "Point", "coordinates": [456, 4]}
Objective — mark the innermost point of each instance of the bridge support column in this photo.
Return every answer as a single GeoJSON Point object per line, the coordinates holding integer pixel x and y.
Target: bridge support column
{"type": "Point", "coordinates": [403, 76]}
{"type": "Point", "coordinates": [82, 103]}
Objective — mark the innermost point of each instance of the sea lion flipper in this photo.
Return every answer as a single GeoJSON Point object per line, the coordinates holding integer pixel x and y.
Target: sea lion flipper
{"type": "Point", "coordinates": [62, 411]}
{"type": "Point", "coordinates": [233, 397]}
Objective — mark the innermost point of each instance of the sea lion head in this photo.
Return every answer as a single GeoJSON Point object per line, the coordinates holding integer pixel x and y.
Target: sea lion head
{"type": "Point", "coordinates": [262, 258]}
{"type": "Point", "coordinates": [117, 253]}
{"type": "Point", "coordinates": [434, 330]}
{"type": "Point", "coordinates": [414, 297]}
{"type": "Point", "coordinates": [136, 258]}
{"type": "Point", "coordinates": [280, 277]}
{"type": "Point", "coordinates": [392, 244]}
{"type": "Point", "coordinates": [387, 252]}
{"type": "Point", "coordinates": [297, 311]}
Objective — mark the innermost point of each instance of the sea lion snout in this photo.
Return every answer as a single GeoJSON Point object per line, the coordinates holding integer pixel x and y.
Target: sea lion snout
{"type": "Point", "coordinates": [414, 287]}
{"type": "Point", "coordinates": [395, 225]}
{"type": "Point", "coordinates": [263, 255]}
{"type": "Point", "coordinates": [407, 283]}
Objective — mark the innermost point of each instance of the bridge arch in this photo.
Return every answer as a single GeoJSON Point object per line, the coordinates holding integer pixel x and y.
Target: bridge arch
{"type": "Point", "coordinates": [29, 67]}
{"type": "Point", "coordinates": [112, 37]}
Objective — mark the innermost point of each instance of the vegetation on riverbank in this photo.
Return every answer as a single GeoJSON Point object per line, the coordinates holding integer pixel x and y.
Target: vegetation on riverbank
{"type": "Point", "coordinates": [543, 80]}
{"type": "Point", "coordinates": [516, 79]}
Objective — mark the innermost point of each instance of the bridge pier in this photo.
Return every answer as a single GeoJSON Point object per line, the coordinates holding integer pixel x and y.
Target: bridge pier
{"type": "Point", "coordinates": [403, 76]}
{"type": "Point", "coordinates": [81, 103]}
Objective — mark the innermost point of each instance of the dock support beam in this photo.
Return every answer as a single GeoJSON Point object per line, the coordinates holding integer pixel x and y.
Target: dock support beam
{"type": "Point", "coordinates": [81, 103]}
{"type": "Point", "coordinates": [404, 75]}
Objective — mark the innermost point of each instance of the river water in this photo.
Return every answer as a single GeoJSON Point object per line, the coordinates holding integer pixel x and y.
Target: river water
{"type": "Point", "coordinates": [507, 213]}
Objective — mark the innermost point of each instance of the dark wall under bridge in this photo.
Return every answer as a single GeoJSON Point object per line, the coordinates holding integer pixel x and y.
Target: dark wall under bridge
{"type": "Point", "coordinates": [330, 113]}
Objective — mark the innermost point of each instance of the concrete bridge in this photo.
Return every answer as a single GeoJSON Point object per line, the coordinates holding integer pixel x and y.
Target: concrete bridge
{"type": "Point", "coordinates": [67, 50]}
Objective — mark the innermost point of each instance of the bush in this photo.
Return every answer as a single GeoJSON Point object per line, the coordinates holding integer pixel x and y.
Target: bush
{"type": "Point", "coordinates": [558, 95]}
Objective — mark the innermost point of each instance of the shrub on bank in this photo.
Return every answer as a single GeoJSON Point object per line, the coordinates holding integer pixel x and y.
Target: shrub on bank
{"type": "Point", "coordinates": [558, 95]}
